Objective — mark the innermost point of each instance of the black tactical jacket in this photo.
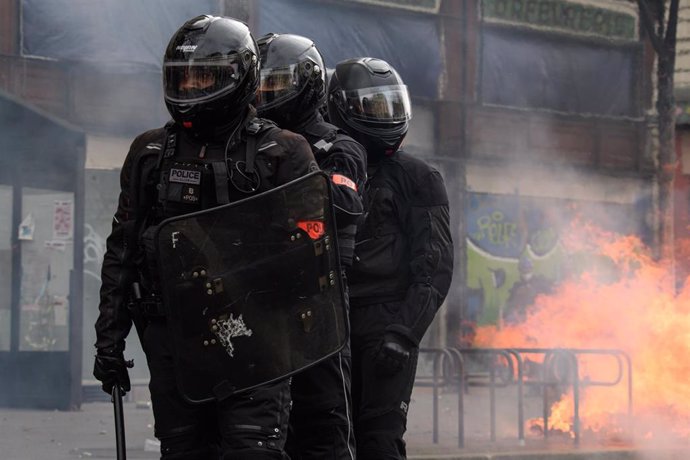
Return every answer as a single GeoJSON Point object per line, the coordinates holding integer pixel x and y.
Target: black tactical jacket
{"type": "Point", "coordinates": [404, 250]}
{"type": "Point", "coordinates": [281, 156]}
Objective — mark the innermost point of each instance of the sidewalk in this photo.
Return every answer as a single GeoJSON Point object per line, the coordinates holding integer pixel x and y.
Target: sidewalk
{"type": "Point", "coordinates": [89, 433]}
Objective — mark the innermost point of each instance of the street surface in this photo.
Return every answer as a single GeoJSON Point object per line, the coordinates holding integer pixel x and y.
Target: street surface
{"type": "Point", "coordinates": [89, 432]}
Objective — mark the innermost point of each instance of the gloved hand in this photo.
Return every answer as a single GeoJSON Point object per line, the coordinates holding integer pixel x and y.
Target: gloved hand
{"type": "Point", "coordinates": [111, 369]}
{"type": "Point", "coordinates": [392, 355]}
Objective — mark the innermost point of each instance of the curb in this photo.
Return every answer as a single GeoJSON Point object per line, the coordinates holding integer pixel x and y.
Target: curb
{"type": "Point", "coordinates": [622, 454]}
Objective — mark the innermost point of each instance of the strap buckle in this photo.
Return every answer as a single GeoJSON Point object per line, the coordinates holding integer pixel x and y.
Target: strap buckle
{"type": "Point", "coordinates": [254, 127]}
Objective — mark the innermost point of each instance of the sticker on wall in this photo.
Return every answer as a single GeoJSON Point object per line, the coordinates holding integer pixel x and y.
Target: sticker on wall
{"type": "Point", "coordinates": [58, 245]}
{"type": "Point", "coordinates": [63, 220]}
{"type": "Point", "coordinates": [60, 310]}
{"type": "Point", "coordinates": [27, 227]}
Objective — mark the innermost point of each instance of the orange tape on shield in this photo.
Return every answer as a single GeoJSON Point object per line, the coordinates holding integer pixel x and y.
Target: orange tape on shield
{"type": "Point", "coordinates": [314, 228]}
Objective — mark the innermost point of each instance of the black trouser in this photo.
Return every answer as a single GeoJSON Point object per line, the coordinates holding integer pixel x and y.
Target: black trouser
{"type": "Point", "coordinates": [250, 425]}
{"type": "Point", "coordinates": [380, 403]}
{"type": "Point", "coordinates": [321, 416]}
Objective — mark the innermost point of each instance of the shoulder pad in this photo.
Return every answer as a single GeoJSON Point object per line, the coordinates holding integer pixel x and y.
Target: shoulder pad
{"type": "Point", "coordinates": [323, 145]}
{"type": "Point", "coordinates": [323, 135]}
{"type": "Point", "coordinates": [149, 142]}
{"type": "Point", "coordinates": [322, 130]}
{"type": "Point", "coordinates": [259, 125]}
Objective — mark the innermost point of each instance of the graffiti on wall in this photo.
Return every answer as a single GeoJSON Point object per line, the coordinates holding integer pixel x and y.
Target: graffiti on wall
{"type": "Point", "coordinates": [515, 252]}
{"type": "Point", "coordinates": [94, 250]}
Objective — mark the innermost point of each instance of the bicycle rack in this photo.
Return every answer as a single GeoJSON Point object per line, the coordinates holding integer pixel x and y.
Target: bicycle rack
{"type": "Point", "coordinates": [449, 370]}
{"type": "Point", "coordinates": [439, 379]}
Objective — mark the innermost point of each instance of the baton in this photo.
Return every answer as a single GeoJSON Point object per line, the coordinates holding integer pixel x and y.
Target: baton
{"type": "Point", "coordinates": [119, 423]}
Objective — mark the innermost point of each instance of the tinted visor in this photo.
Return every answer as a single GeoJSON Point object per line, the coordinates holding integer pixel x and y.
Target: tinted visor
{"type": "Point", "coordinates": [382, 104]}
{"type": "Point", "coordinates": [277, 83]}
{"type": "Point", "coordinates": [193, 81]}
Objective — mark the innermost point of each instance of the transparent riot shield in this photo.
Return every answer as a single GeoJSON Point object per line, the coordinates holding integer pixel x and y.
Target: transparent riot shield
{"type": "Point", "coordinates": [252, 290]}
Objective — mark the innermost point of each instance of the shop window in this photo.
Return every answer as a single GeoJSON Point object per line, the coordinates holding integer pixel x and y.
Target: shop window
{"type": "Point", "coordinates": [536, 70]}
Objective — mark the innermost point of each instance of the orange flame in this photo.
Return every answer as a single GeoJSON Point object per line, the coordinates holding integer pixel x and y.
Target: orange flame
{"type": "Point", "coordinates": [626, 301]}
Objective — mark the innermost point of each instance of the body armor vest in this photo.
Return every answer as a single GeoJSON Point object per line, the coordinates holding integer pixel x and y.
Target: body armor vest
{"type": "Point", "coordinates": [195, 177]}
{"type": "Point", "coordinates": [190, 177]}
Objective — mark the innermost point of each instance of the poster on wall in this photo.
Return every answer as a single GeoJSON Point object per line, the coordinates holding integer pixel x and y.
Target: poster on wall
{"type": "Point", "coordinates": [63, 220]}
{"type": "Point", "coordinates": [27, 228]}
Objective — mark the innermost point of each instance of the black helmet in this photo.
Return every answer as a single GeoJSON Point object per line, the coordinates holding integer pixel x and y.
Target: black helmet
{"type": "Point", "coordinates": [368, 99]}
{"type": "Point", "coordinates": [210, 72]}
{"type": "Point", "coordinates": [293, 79]}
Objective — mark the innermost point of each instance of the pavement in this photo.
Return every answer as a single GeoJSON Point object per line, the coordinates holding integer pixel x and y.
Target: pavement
{"type": "Point", "coordinates": [89, 432]}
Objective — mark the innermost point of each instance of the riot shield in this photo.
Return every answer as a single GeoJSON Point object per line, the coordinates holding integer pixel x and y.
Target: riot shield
{"type": "Point", "coordinates": [252, 289]}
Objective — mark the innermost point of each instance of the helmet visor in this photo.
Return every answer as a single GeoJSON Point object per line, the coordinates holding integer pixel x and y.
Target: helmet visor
{"type": "Point", "coordinates": [199, 80]}
{"type": "Point", "coordinates": [380, 104]}
{"type": "Point", "coordinates": [277, 84]}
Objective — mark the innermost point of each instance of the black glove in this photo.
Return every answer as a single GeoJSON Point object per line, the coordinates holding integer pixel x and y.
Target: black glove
{"type": "Point", "coordinates": [111, 369]}
{"type": "Point", "coordinates": [392, 355]}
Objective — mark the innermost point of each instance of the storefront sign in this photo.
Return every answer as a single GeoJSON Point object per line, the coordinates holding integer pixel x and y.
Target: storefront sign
{"type": "Point", "coordinates": [563, 15]}
{"type": "Point", "coordinates": [426, 6]}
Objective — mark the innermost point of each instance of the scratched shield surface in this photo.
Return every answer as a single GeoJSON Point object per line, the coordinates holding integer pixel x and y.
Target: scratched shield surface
{"type": "Point", "coordinates": [252, 290]}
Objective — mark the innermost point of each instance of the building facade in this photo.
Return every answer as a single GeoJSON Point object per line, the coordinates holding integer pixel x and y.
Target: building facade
{"type": "Point", "coordinates": [533, 110]}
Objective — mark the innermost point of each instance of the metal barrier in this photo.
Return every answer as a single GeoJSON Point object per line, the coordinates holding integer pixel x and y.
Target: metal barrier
{"type": "Point", "coordinates": [549, 378]}
{"type": "Point", "coordinates": [449, 371]}
{"type": "Point", "coordinates": [508, 355]}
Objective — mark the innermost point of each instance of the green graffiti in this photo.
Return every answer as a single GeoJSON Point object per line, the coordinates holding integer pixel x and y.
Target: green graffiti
{"type": "Point", "coordinates": [493, 228]}
{"type": "Point", "coordinates": [543, 240]}
{"type": "Point", "coordinates": [481, 271]}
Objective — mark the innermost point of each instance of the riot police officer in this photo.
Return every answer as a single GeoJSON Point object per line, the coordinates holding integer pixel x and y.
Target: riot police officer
{"type": "Point", "coordinates": [292, 90]}
{"type": "Point", "coordinates": [403, 258]}
{"type": "Point", "coordinates": [215, 151]}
